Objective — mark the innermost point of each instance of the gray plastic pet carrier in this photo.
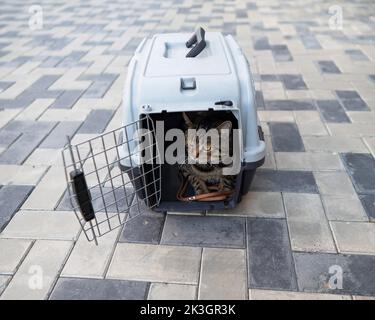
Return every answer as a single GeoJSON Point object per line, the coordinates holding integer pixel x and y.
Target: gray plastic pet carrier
{"type": "Point", "coordinates": [169, 75]}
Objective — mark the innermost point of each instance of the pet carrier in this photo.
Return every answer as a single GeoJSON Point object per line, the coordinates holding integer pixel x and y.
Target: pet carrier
{"type": "Point", "coordinates": [171, 78]}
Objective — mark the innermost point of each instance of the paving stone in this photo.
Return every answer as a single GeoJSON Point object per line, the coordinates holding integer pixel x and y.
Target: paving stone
{"type": "Point", "coordinates": [347, 94]}
{"type": "Point", "coordinates": [334, 144]}
{"type": "Point", "coordinates": [88, 260]}
{"type": "Point", "coordinates": [314, 272]}
{"type": "Point", "coordinates": [67, 99]}
{"type": "Point", "coordinates": [99, 289]}
{"type": "Point", "coordinates": [270, 262]}
{"type": "Point", "coordinates": [293, 82]}
{"type": "Point", "coordinates": [143, 229]}
{"type": "Point", "coordinates": [42, 225]}
{"type": "Point", "coordinates": [332, 111]}
{"type": "Point", "coordinates": [44, 157]}
{"type": "Point", "coordinates": [289, 105]}
{"type": "Point", "coordinates": [281, 53]}
{"type": "Point", "coordinates": [46, 195]}
{"type": "Point", "coordinates": [344, 208]}
{"type": "Point", "coordinates": [58, 137]}
{"type": "Point", "coordinates": [261, 43]}
{"type": "Point", "coordinates": [96, 121]}
{"type": "Point", "coordinates": [308, 161]}
{"type": "Point", "coordinates": [368, 202]}
{"type": "Point", "coordinates": [4, 282]}
{"type": "Point", "coordinates": [285, 137]}
{"type": "Point", "coordinates": [11, 199]}
{"type": "Point", "coordinates": [257, 204]}
{"type": "Point", "coordinates": [12, 253]}
{"type": "Point", "coordinates": [355, 105]}
{"type": "Point", "coordinates": [204, 231]}
{"type": "Point", "coordinates": [174, 264]}
{"type": "Point", "coordinates": [8, 137]}
{"type": "Point", "coordinates": [361, 168]}
{"type": "Point", "coordinates": [257, 294]}
{"type": "Point", "coordinates": [215, 263]}
{"type": "Point", "coordinates": [308, 227]}
{"type": "Point", "coordinates": [171, 291]}
{"type": "Point", "coordinates": [309, 123]}
{"type": "Point", "coordinates": [284, 181]}
{"type": "Point", "coordinates": [334, 183]}
{"type": "Point", "coordinates": [38, 271]}
{"type": "Point", "coordinates": [354, 237]}
{"type": "Point", "coordinates": [327, 66]}
{"type": "Point", "coordinates": [356, 55]}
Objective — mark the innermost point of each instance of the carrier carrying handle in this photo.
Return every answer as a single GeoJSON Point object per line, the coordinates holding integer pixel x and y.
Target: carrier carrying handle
{"type": "Point", "coordinates": [198, 38]}
{"type": "Point", "coordinates": [82, 194]}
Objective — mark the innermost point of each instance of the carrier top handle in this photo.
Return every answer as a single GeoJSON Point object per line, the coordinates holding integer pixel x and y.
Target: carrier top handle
{"type": "Point", "coordinates": [198, 38]}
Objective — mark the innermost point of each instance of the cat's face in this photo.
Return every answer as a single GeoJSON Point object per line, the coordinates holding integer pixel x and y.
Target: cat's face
{"type": "Point", "coordinates": [203, 144]}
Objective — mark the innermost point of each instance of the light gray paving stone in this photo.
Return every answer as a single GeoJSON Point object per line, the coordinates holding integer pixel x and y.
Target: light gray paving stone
{"type": "Point", "coordinates": [21, 175]}
{"type": "Point", "coordinates": [308, 226]}
{"type": "Point", "coordinates": [310, 124]}
{"type": "Point", "coordinates": [98, 289]}
{"type": "Point", "coordinates": [216, 262]}
{"type": "Point", "coordinates": [171, 291]}
{"type": "Point", "coordinates": [38, 272]}
{"type": "Point", "coordinates": [3, 282]}
{"type": "Point", "coordinates": [312, 161]}
{"type": "Point", "coordinates": [88, 260]}
{"type": "Point", "coordinates": [334, 183]}
{"type": "Point", "coordinates": [155, 263]}
{"type": "Point", "coordinates": [344, 208]}
{"type": "Point", "coordinates": [27, 224]}
{"type": "Point", "coordinates": [334, 144]}
{"type": "Point", "coordinates": [257, 294]}
{"type": "Point", "coordinates": [11, 199]}
{"type": "Point", "coordinates": [12, 253]}
{"type": "Point", "coordinates": [354, 237]}
{"type": "Point", "coordinates": [257, 204]}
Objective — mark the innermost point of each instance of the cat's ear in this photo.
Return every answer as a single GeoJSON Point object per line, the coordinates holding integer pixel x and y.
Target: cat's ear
{"type": "Point", "coordinates": [187, 120]}
{"type": "Point", "coordinates": [225, 125]}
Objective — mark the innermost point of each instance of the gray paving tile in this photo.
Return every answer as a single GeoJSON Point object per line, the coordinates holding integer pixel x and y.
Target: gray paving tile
{"type": "Point", "coordinates": [207, 231]}
{"type": "Point", "coordinates": [310, 42]}
{"type": "Point", "coordinates": [99, 289]}
{"type": "Point", "coordinates": [293, 82]}
{"type": "Point", "coordinates": [332, 111]}
{"type": "Point", "coordinates": [289, 105]}
{"type": "Point", "coordinates": [96, 121]}
{"type": "Point", "coordinates": [355, 105]}
{"type": "Point", "coordinates": [356, 55]}
{"type": "Point", "coordinates": [315, 272]}
{"type": "Point", "coordinates": [368, 202]}
{"type": "Point", "coordinates": [143, 229]}
{"type": "Point", "coordinates": [284, 181]}
{"type": "Point", "coordinates": [285, 137]}
{"type": "Point", "coordinates": [347, 94]}
{"type": "Point", "coordinates": [281, 53]}
{"type": "Point", "coordinates": [8, 137]}
{"type": "Point", "coordinates": [3, 282]}
{"type": "Point", "coordinates": [261, 43]}
{"type": "Point", "coordinates": [270, 261]}
{"type": "Point", "coordinates": [5, 85]}
{"type": "Point", "coordinates": [67, 99]}
{"type": "Point", "coordinates": [327, 66]}
{"type": "Point", "coordinates": [361, 168]}
{"type": "Point", "coordinates": [11, 199]}
{"type": "Point", "coordinates": [101, 84]}
{"type": "Point", "coordinates": [58, 137]}
{"type": "Point", "coordinates": [259, 99]}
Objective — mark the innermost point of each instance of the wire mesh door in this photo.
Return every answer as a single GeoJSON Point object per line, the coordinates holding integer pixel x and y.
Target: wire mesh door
{"type": "Point", "coordinates": [113, 176]}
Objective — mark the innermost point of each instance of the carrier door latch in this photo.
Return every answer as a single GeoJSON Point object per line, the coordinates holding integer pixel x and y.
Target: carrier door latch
{"type": "Point", "coordinates": [199, 42]}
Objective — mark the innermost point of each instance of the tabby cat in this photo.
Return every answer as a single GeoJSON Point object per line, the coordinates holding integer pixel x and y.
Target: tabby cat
{"type": "Point", "coordinates": [202, 176]}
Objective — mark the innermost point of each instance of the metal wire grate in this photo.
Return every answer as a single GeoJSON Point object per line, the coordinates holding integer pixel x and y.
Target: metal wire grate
{"type": "Point", "coordinates": [119, 170]}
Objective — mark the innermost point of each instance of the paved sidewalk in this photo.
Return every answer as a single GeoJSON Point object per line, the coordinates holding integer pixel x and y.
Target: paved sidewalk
{"type": "Point", "coordinates": [306, 230]}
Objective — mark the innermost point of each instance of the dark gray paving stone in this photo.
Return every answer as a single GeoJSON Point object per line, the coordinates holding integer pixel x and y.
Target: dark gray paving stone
{"type": "Point", "coordinates": [356, 55]}
{"type": "Point", "coordinates": [310, 42]}
{"type": "Point", "coordinates": [96, 121]}
{"type": "Point", "coordinates": [99, 289]}
{"type": "Point", "coordinates": [284, 181]}
{"type": "Point", "coordinates": [29, 126]}
{"type": "Point", "coordinates": [355, 105]}
{"type": "Point", "coordinates": [285, 137]}
{"type": "Point", "coordinates": [347, 94]}
{"type": "Point", "coordinates": [327, 66]}
{"type": "Point", "coordinates": [11, 199]}
{"type": "Point", "coordinates": [361, 169]}
{"type": "Point", "coordinates": [289, 105]}
{"type": "Point", "coordinates": [143, 229]}
{"type": "Point", "coordinates": [270, 260]}
{"type": "Point", "coordinates": [259, 99]}
{"type": "Point", "coordinates": [5, 85]}
{"type": "Point", "coordinates": [18, 103]}
{"type": "Point", "coordinates": [332, 111]}
{"type": "Point", "coordinates": [67, 99]}
{"type": "Point", "coordinates": [372, 77]}
{"type": "Point", "coordinates": [204, 231]}
{"type": "Point", "coordinates": [8, 137]}
{"type": "Point", "coordinates": [270, 77]}
{"type": "Point", "coordinates": [43, 83]}
{"type": "Point", "coordinates": [281, 53]}
{"type": "Point", "coordinates": [58, 137]}
{"type": "Point", "coordinates": [261, 43]}
{"type": "Point", "coordinates": [293, 82]}
{"type": "Point", "coordinates": [314, 274]}
{"type": "Point", "coordinates": [101, 84]}
{"type": "Point", "coordinates": [368, 203]}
